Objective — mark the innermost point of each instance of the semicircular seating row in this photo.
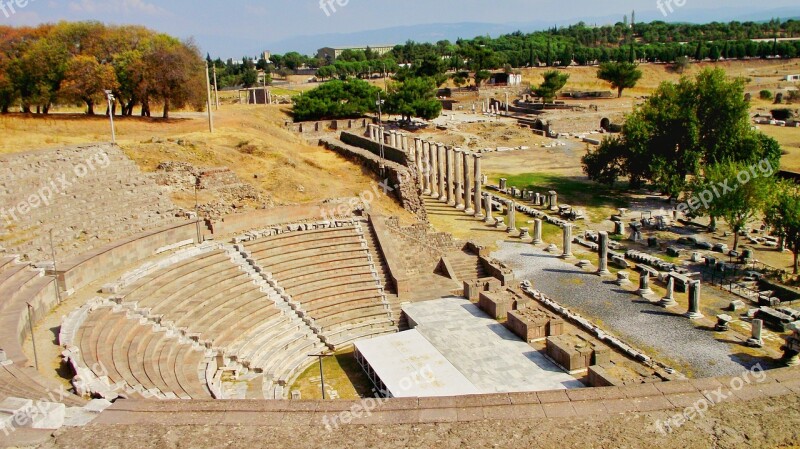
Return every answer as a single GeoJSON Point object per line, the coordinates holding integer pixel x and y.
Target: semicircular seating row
{"type": "Point", "coordinates": [330, 274]}
{"type": "Point", "coordinates": [23, 288]}
{"type": "Point", "coordinates": [210, 301]}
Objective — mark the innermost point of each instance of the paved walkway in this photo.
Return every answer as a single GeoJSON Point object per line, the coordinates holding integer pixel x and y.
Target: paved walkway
{"type": "Point", "coordinates": [642, 324]}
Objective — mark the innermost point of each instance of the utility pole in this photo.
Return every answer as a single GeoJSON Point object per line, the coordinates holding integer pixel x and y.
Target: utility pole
{"type": "Point", "coordinates": [208, 90]}
{"type": "Point", "coordinates": [33, 338]}
{"type": "Point", "coordinates": [380, 125]}
{"type": "Point", "coordinates": [110, 98]}
{"type": "Point", "coordinates": [216, 88]}
{"type": "Point", "coordinates": [320, 356]}
{"type": "Point", "coordinates": [197, 211]}
{"type": "Point", "coordinates": [55, 268]}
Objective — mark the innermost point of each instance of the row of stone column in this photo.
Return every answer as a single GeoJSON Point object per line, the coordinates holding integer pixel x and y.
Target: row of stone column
{"type": "Point", "coordinates": [394, 139]}
{"type": "Point", "coordinates": [447, 175]}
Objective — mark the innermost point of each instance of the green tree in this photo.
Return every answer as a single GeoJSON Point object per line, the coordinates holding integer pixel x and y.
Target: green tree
{"type": "Point", "coordinates": [730, 190]}
{"type": "Point", "coordinates": [621, 75]}
{"type": "Point", "coordinates": [679, 129]}
{"type": "Point", "coordinates": [782, 214]}
{"type": "Point", "coordinates": [249, 77]}
{"type": "Point", "coordinates": [336, 99]}
{"type": "Point", "coordinates": [415, 97]}
{"type": "Point", "coordinates": [553, 82]}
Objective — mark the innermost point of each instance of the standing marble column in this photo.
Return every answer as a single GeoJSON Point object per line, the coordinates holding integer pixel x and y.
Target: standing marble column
{"type": "Point", "coordinates": [419, 161]}
{"type": "Point", "coordinates": [512, 217]}
{"type": "Point", "coordinates": [487, 202]}
{"type": "Point", "coordinates": [441, 153]}
{"type": "Point", "coordinates": [459, 179]}
{"type": "Point", "coordinates": [669, 299]}
{"type": "Point", "coordinates": [451, 200]}
{"type": "Point", "coordinates": [467, 184]}
{"type": "Point", "coordinates": [694, 301]}
{"type": "Point", "coordinates": [426, 170]}
{"type": "Point", "coordinates": [567, 229]}
{"type": "Point", "coordinates": [404, 143]}
{"type": "Point", "coordinates": [393, 138]}
{"type": "Point", "coordinates": [537, 231]}
{"type": "Point", "coordinates": [434, 170]}
{"type": "Point", "coordinates": [602, 241]}
{"type": "Point", "coordinates": [477, 182]}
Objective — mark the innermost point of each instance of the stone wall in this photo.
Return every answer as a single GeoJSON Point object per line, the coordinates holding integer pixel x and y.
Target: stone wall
{"type": "Point", "coordinates": [393, 154]}
{"type": "Point", "coordinates": [81, 270]}
{"type": "Point", "coordinates": [324, 126]}
{"type": "Point", "coordinates": [401, 178]}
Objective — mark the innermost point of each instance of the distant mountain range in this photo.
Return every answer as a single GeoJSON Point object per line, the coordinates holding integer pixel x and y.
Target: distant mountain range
{"type": "Point", "coordinates": [452, 31]}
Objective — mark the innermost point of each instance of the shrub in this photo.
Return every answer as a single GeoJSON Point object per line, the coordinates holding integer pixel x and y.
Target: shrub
{"type": "Point", "coordinates": [765, 95]}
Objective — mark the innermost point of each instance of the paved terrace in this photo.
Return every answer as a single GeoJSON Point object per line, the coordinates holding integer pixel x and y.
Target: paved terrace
{"type": "Point", "coordinates": [489, 355]}
{"type": "Point", "coordinates": [632, 318]}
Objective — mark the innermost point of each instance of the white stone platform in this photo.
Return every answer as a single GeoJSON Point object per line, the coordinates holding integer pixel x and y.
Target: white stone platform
{"type": "Point", "coordinates": [483, 350]}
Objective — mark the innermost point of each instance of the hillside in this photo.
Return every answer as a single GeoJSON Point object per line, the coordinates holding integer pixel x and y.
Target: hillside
{"type": "Point", "coordinates": [250, 140]}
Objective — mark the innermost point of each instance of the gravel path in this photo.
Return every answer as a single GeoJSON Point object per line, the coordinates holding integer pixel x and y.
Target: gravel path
{"type": "Point", "coordinates": [632, 318]}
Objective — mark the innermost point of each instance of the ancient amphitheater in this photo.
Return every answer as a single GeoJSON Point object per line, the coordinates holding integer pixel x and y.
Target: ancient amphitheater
{"type": "Point", "coordinates": [175, 331]}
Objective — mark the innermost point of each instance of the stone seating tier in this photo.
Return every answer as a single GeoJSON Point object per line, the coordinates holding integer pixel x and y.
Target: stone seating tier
{"type": "Point", "coordinates": [21, 286]}
{"type": "Point", "coordinates": [289, 270]}
{"type": "Point", "coordinates": [145, 285]}
{"type": "Point", "coordinates": [292, 238]}
{"type": "Point", "coordinates": [275, 257]}
{"type": "Point", "coordinates": [327, 271]}
{"type": "Point", "coordinates": [133, 353]}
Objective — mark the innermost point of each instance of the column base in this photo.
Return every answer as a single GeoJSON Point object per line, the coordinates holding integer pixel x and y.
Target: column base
{"type": "Point", "coordinates": [478, 215]}
{"type": "Point", "coordinates": [512, 230]}
{"type": "Point", "coordinates": [792, 360]}
{"type": "Point", "coordinates": [603, 273]}
{"type": "Point", "coordinates": [644, 292]}
{"type": "Point", "coordinates": [451, 203]}
{"type": "Point", "coordinates": [426, 191]}
{"type": "Point", "coordinates": [460, 206]}
{"type": "Point", "coordinates": [753, 343]}
{"type": "Point", "coordinates": [469, 211]}
{"type": "Point", "coordinates": [667, 302]}
{"type": "Point", "coordinates": [443, 198]}
{"type": "Point", "coordinates": [489, 220]}
{"type": "Point", "coordinates": [567, 255]}
{"type": "Point", "coordinates": [693, 315]}
{"type": "Point", "coordinates": [537, 242]}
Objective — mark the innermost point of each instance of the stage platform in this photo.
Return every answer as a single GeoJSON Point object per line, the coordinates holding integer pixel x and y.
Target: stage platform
{"type": "Point", "coordinates": [462, 350]}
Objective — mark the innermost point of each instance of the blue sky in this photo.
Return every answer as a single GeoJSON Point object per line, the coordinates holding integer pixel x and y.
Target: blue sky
{"type": "Point", "coordinates": [230, 28]}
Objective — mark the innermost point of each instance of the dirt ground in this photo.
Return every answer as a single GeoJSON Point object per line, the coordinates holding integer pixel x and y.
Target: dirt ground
{"type": "Point", "coordinates": [251, 140]}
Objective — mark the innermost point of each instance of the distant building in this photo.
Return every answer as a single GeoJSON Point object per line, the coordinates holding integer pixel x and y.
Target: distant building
{"type": "Point", "coordinates": [332, 53]}
{"type": "Point", "coordinates": [267, 55]}
{"type": "Point", "coordinates": [792, 78]}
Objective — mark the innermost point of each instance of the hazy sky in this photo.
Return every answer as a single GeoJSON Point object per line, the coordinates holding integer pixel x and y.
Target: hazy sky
{"type": "Point", "coordinates": [226, 26]}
